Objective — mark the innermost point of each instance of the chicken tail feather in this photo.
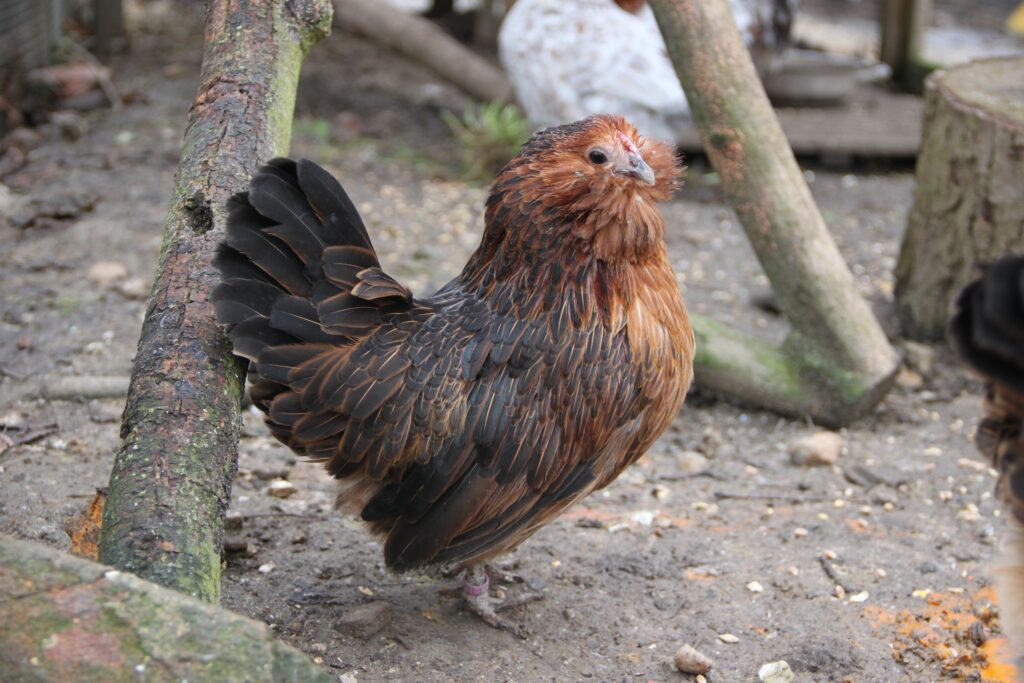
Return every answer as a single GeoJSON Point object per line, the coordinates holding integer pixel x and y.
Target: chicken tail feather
{"type": "Point", "coordinates": [298, 271]}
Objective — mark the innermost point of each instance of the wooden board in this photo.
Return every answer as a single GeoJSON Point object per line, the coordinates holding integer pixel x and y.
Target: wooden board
{"type": "Point", "coordinates": [873, 122]}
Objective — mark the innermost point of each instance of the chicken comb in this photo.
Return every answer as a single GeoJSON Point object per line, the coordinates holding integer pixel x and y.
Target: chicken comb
{"type": "Point", "coordinates": [627, 143]}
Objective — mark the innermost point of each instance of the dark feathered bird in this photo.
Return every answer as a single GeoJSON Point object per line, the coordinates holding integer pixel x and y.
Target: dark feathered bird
{"type": "Point", "coordinates": [465, 421]}
{"type": "Point", "coordinates": [988, 332]}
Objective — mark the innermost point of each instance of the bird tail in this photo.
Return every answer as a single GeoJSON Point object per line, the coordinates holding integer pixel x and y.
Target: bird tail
{"type": "Point", "coordinates": [988, 332]}
{"type": "Point", "coordinates": [299, 274]}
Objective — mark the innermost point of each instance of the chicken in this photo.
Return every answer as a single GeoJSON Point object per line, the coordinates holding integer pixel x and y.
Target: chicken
{"type": "Point", "coordinates": [571, 58]}
{"type": "Point", "coordinates": [988, 332]}
{"type": "Point", "coordinates": [463, 422]}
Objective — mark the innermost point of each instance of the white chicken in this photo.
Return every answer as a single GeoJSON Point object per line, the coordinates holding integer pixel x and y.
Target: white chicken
{"type": "Point", "coordinates": [568, 59]}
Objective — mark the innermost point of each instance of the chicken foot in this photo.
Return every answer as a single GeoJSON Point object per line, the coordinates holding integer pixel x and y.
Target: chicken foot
{"type": "Point", "coordinates": [476, 592]}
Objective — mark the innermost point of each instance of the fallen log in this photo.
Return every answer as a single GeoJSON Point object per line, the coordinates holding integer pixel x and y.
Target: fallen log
{"type": "Point", "coordinates": [67, 619]}
{"type": "Point", "coordinates": [171, 479]}
{"type": "Point", "coordinates": [426, 43]}
{"type": "Point", "coordinates": [836, 364]}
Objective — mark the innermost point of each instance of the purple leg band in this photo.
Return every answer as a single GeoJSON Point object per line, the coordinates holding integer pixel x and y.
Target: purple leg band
{"type": "Point", "coordinates": [476, 589]}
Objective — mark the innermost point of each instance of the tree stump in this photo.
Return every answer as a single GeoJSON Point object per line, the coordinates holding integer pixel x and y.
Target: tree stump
{"type": "Point", "coordinates": [969, 208]}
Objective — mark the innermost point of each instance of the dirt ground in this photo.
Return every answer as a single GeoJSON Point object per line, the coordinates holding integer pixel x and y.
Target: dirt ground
{"type": "Point", "coordinates": [871, 569]}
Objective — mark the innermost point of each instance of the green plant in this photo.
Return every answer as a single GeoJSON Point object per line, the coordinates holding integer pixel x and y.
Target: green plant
{"type": "Point", "coordinates": [489, 136]}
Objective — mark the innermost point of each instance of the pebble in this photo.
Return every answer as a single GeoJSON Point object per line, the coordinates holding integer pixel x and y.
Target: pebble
{"type": "Point", "coordinates": [690, 661]}
{"type": "Point", "coordinates": [365, 621]}
{"type": "Point", "coordinates": [239, 545]}
{"type": "Point", "coordinates": [820, 448]}
{"type": "Point", "coordinates": [271, 472]}
{"type": "Point", "coordinates": [711, 440]}
{"type": "Point", "coordinates": [134, 288]}
{"type": "Point", "coordinates": [691, 463]}
{"type": "Point", "coordinates": [267, 568]}
{"type": "Point", "coordinates": [755, 587]}
{"type": "Point", "coordinates": [775, 672]}
{"type": "Point", "coordinates": [728, 638]}
{"type": "Point", "coordinates": [920, 357]}
{"type": "Point", "coordinates": [281, 488]}
{"type": "Point", "coordinates": [909, 379]}
{"type": "Point", "coordinates": [105, 273]}
{"type": "Point", "coordinates": [233, 520]}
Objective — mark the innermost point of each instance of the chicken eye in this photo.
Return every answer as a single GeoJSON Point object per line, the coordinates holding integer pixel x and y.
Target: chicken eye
{"type": "Point", "coordinates": [597, 156]}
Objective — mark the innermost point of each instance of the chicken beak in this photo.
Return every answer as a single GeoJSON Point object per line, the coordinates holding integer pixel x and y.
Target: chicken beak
{"type": "Point", "coordinates": [638, 169]}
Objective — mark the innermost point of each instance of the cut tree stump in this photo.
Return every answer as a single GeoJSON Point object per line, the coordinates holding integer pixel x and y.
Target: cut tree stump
{"type": "Point", "coordinates": [969, 208]}
{"type": "Point", "coordinates": [836, 363]}
{"type": "Point", "coordinates": [67, 619]}
{"type": "Point", "coordinates": [171, 480]}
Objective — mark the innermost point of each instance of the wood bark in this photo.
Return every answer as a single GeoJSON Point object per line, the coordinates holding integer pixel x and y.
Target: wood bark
{"type": "Point", "coordinates": [838, 360]}
{"type": "Point", "coordinates": [171, 478]}
{"type": "Point", "coordinates": [969, 208]}
{"type": "Point", "coordinates": [67, 619]}
{"type": "Point", "coordinates": [426, 43]}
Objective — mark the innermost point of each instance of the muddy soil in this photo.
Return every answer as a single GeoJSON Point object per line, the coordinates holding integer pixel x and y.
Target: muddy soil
{"type": "Point", "coordinates": [871, 568]}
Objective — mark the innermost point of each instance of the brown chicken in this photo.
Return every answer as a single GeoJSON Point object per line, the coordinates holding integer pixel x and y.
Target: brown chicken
{"type": "Point", "coordinates": [464, 422]}
{"type": "Point", "coordinates": [988, 332]}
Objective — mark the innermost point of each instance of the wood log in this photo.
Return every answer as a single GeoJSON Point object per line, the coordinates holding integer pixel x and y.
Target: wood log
{"type": "Point", "coordinates": [836, 361]}
{"type": "Point", "coordinates": [171, 479]}
{"type": "Point", "coordinates": [903, 26]}
{"type": "Point", "coordinates": [427, 44]}
{"type": "Point", "coordinates": [67, 619]}
{"type": "Point", "coordinates": [969, 208]}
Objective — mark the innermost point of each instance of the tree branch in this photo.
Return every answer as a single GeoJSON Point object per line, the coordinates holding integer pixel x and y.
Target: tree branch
{"type": "Point", "coordinates": [171, 479]}
{"type": "Point", "coordinates": [836, 353]}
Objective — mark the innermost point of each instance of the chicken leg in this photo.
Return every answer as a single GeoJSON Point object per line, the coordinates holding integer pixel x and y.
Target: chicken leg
{"type": "Point", "coordinates": [476, 584]}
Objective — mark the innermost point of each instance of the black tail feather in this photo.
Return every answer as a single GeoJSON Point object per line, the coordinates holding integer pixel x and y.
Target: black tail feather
{"type": "Point", "coordinates": [280, 232]}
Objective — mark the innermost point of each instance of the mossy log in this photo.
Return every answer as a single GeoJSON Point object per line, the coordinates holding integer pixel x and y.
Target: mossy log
{"type": "Point", "coordinates": [67, 619]}
{"type": "Point", "coordinates": [427, 43]}
{"type": "Point", "coordinates": [171, 479]}
{"type": "Point", "coordinates": [836, 363]}
{"type": "Point", "coordinates": [969, 208]}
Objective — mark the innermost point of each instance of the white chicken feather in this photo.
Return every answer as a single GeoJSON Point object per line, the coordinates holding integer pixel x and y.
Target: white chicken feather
{"type": "Point", "coordinates": [568, 59]}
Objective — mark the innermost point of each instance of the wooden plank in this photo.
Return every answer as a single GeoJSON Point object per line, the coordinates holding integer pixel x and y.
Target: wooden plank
{"type": "Point", "coordinates": [874, 122]}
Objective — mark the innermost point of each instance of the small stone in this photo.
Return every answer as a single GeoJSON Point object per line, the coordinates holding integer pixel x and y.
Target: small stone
{"type": "Point", "coordinates": [755, 587]}
{"type": "Point", "coordinates": [691, 463]}
{"type": "Point", "coordinates": [233, 521]}
{"type": "Point", "coordinates": [271, 472]}
{"type": "Point", "coordinates": [862, 596]}
{"type": "Point", "coordinates": [365, 621]}
{"type": "Point", "coordinates": [267, 568]}
{"type": "Point", "coordinates": [72, 125]}
{"type": "Point", "coordinates": [728, 638]}
{"type": "Point", "coordinates": [775, 672]}
{"type": "Point", "coordinates": [909, 379]}
{"type": "Point", "coordinates": [134, 288]}
{"type": "Point", "coordinates": [690, 661]}
{"type": "Point", "coordinates": [281, 488]}
{"type": "Point", "coordinates": [710, 441]}
{"type": "Point", "coordinates": [927, 567]}
{"type": "Point", "coordinates": [821, 448]}
{"type": "Point", "coordinates": [106, 273]}
{"type": "Point", "coordinates": [236, 544]}
{"type": "Point", "coordinates": [920, 357]}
